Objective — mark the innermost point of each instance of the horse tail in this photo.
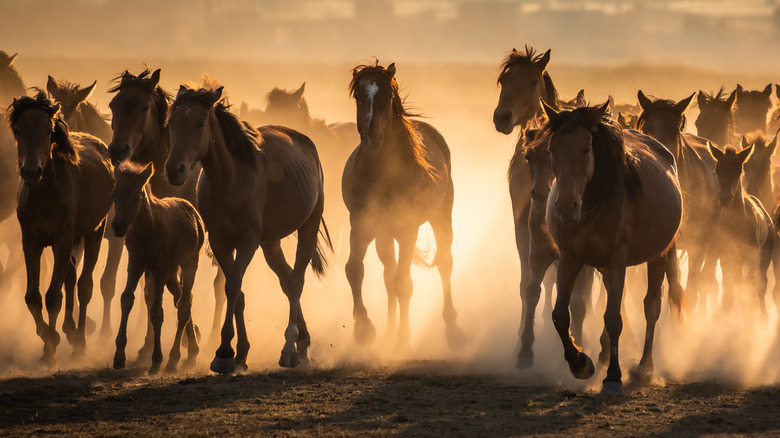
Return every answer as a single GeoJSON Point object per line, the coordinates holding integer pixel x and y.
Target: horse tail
{"type": "Point", "coordinates": [422, 255]}
{"type": "Point", "coordinates": [318, 261]}
{"type": "Point", "coordinates": [676, 292]}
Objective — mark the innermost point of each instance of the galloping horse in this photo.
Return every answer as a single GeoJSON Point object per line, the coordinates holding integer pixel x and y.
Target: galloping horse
{"type": "Point", "coordinates": [615, 203]}
{"type": "Point", "coordinates": [64, 196]}
{"type": "Point", "coordinates": [664, 120]}
{"type": "Point", "coordinates": [716, 116]}
{"type": "Point", "coordinates": [163, 236]}
{"type": "Point", "coordinates": [257, 187]}
{"type": "Point", "coordinates": [398, 178]}
{"type": "Point", "coordinates": [752, 109]}
{"type": "Point", "coordinates": [745, 229]}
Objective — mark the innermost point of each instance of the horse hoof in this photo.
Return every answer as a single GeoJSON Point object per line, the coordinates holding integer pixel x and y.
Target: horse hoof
{"type": "Point", "coordinates": [171, 368]}
{"type": "Point", "coordinates": [223, 366]}
{"type": "Point", "coordinates": [364, 331]}
{"type": "Point", "coordinates": [155, 369]}
{"type": "Point", "coordinates": [48, 361]}
{"type": "Point", "coordinates": [456, 339]}
{"type": "Point", "coordinates": [641, 376]}
{"type": "Point", "coordinates": [119, 364]}
{"type": "Point", "coordinates": [524, 363]}
{"type": "Point", "coordinates": [189, 364]}
{"type": "Point", "coordinates": [241, 368]}
{"type": "Point", "coordinates": [611, 387]}
{"type": "Point", "coordinates": [582, 368]}
{"type": "Point", "coordinates": [289, 360]}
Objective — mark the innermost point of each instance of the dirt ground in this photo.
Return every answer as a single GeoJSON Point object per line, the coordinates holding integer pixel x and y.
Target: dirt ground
{"type": "Point", "coordinates": [419, 398]}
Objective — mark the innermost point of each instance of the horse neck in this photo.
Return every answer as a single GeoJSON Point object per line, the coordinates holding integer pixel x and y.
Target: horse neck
{"type": "Point", "coordinates": [548, 92]}
{"type": "Point", "coordinates": [218, 163]}
{"type": "Point", "coordinates": [760, 184]}
{"type": "Point", "coordinates": [145, 221]}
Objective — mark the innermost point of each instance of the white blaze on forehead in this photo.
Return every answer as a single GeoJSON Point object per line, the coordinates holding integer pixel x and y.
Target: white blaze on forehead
{"type": "Point", "coordinates": [371, 90]}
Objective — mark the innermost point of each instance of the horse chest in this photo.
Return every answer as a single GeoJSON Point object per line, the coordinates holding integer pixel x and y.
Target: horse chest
{"type": "Point", "coordinates": [45, 216]}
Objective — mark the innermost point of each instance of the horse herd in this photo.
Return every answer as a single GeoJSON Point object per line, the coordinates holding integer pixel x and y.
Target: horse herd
{"type": "Point", "coordinates": [590, 192]}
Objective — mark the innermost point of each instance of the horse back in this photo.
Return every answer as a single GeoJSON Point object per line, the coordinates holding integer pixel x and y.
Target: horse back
{"type": "Point", "coordinates": [95, 182]}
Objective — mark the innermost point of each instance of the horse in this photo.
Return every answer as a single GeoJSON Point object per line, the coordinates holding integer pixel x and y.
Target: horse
{"type": "Point", "coordinates": [257, 187]}
{"type": "Point", "coordinates": [615, 202]}
{"type": "Point", "coordinates": [162, 236]}
{"type": "Point", "coordinates": [627, 121]}
{"type": "Point", "coordinates": [398, 178]}
{"type": "Point", "coordinates": [64, 196]}
{"type": "Point", "coordinates": [83, 116]}
{"type": "Point", "coordinates": [774, 119]}
{"type": "Point", "coordinates": [752, 109]}
{"type": "Point", "coordinates": [716, 116]}
{"type": "Point", "coordinates": [664, 120]}
{"type": "Point", "coordinates": [11, 83]}
{"type": "Point", "coordinates": [140, 107]}
{"type": "Point", "coordinates": [542, 252]}
{"type": "Point", "coordinates": [745, 229]}
{"type": "Point", "coordinates": [79, 114]}
{"type": "Point", "coordinates": [758, 168]}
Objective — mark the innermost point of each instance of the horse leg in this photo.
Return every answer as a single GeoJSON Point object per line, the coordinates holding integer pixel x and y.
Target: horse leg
{"type": "Point", "coordinates": [182, 318]}
{"type": "Point", "coordinates": [188, 271]}
{"type": "Point", "coordinates": [407, 240]}
{"type": "Point", "coordinates": [225, 360]}
{"type": "Point", "coordinates": [274, 256]}
{"type": "Point", "coordinates": [615, 279]}
{"type": "Point", "coordinates": [145, 352]}
{"type": "Point", "coordinates": [539, 264]}
{"type": "Point", "coordinates": [360, 236]}
{"type": "Point", "coordinates": [32, 297]}
{"type": "Point", "coordinates": [548, 284]}
{"type": "Point", "coordinates": [134, 272]}
{"type": "Point", "coordinates": [523, 242]}
{"type": "Point", "coordinates": [156, 317]}
{"type": "Point", "coordinates": [68, 323]}
{"type": "Point", "coordinates": [579, 363]}
{"type": "Point", "coordinates": [765, 258]}
{"type": "Point", "coordinates": [91, 251]}
{"type": "Point", "coordinates": [385, 249]}
{"type": "Point", "coordinates": [108, 280]}
{"type": "Point", "coordinates": [219, 306]}
{"type": "Point", "coordinates": [656, 270]}
{"type": "Point", "coordinates": [442, 231]}
{"type": "Point", "coordinates": [61, 250]}
{"type": "Point", "coordinates": [699, 270]}
{"type": "Point", "coordinates": [583, 286]}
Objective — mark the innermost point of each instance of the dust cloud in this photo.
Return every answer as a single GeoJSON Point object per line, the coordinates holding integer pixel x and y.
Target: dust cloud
{"type": "Point", "coordinates": [451, 79]}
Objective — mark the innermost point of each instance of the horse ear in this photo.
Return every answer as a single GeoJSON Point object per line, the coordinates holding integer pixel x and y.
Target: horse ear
{"type": "Point", "coordinates": [51, 85]}
{"type": "Point", "coordinates": [739, 90]}
{"type": "Point", "coordinates": [84, 93]}
{"type": "Point", "coordinates": [581, 97]}
{"type": "Point", "coordinates": [299, 92]}
{"type": "Point", "coordinates": [744, 142]}
{"type": "Point", "coordinates": [182, 89]}
{"type": "Point", "coordinates": [391, 70]}
{"type": "Point", "coordinates": [777, 90]}
{"type": "Point", "coordinates": [744, 154]}
{"type": "Point", "coordinates": [550, 111]}
{"type": "Point", "coordinates": [216, 95]}
{"type": "Point", "coordinates": [595, 115]}
{"type": "Point", "coordinates": [701, 99]}
{"type": "Point", "coordinates": [622, 120]}
{"type": "Point", "coordinates": [545, 59]}
{"type": "Point", "coordinates": [154, 80]}
{"type": "Point", "coordinates": [731, 99]}
{"type": "Point", "coordinates": [767, 91]}
{"type": "Point", "coordinates": [644, 102]}
{"type": "Point", "coordinates": [148, 171]}
{"type": "Point", "coordinates": [683, 104]}
{"type": "Point", "coordinates": [514, 50]}
{"type": "Point", "coordinates": [716, 153]}
{"type": "Point", "coordinates": [11, 60]}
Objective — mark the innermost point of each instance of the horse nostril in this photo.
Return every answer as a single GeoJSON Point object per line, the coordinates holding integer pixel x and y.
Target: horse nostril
{"type": "Point", "coordinates": [182, 170]}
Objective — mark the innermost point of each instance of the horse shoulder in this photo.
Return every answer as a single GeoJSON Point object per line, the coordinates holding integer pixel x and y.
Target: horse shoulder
{"type": "Point", "coordinates": [432, 137]}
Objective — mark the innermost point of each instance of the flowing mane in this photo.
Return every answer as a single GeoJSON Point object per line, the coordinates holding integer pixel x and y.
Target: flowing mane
{"type": "Point", "coordinates": [61, 137]}
{"type": "Point", "coordinates": [655, 106]}
{"type": "Point", "coordinates": [162, 98]}
{"type": "Point", "coordinates": [400, 112]}
{"type": "Point", "coordinates": [524, 58]}
{"type": "Point", "coordinates": [241, 139]}
{"type": "Point", "coordinates": [612, 162]}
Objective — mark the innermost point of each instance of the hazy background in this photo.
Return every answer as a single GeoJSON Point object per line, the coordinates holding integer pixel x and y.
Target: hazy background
{"type": "Point", "coordinates": [447, 54]}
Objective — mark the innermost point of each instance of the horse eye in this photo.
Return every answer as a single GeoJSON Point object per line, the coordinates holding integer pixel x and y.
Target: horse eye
{"type": "Point", "coordinates": [201, 124]}
{"type": "Point", "coordinates": [535, 82]}
{"type": "Point", "coordinates": [146, 108]}
{"type": "Point", "coordinates": [587, 150]}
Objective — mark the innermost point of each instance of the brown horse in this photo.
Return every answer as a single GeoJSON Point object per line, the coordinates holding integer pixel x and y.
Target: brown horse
{"type": "Point", "coordinates": [745, 229]}
{"type": "Point", "coordinates": [627, 121]}
{"type": "Point", "coordinates": [398, 178]}
{"type": "Point", "coordinates": [752, 109]}
{"type": "Point", "coordinates": [615, 203]}
{"type": "Point", "coordinates": [542, 250]}
{"type": "Point", "coordinates": [758, 168]}
{"type": "Point", "coordinates": [11, 83]}
{"type": "Point", "coordinates": [716, 116]}
{"type": "Point", "coordinates": [774, 119]}
{"type": "Point", "coordinates": [64, 196]}
{"type": "Point", "coordinates": [139, 109]}
{"type": "Point", "coordinates": [163, 236]}
{"type": "Point", "coordinates": [664, 120]}
{"type": "Point", "coordinates": [257, 187]}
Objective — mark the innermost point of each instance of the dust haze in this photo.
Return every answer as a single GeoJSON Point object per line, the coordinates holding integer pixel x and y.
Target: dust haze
{"type": "Point", "coordinates": [447, 55]}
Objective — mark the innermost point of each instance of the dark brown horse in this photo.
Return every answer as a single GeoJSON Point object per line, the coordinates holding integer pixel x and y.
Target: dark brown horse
{"type": "Point", "coordinates": [163, 236]}
{"type": "Point", "coordinates": [398, 178]}
{"type": "Point", "coordinates": [64, 196]}
{"type": "Point", "coordinates": [257, 187]}
{"type": "Point", "coordinates": [615, 203]}
{"type": "Point", "coordinates": [752, 109]}
{"type": "Point", "coordinates": [745, 229]}
{"type": "Point", "coordinates": [716, 116]}
{"type": "Point", "coordinates": [664, 120]}
{"type": "Point", "coordinates": [139, 109]}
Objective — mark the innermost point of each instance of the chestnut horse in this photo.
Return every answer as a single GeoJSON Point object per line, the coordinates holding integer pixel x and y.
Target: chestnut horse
{"type": "Point", "coordinates": [64, 196]}
{"type": "Point", "coordinates": [163, 236]}
{"type": "Point", "coordinates": [257, 187]}
{"type": "Point", "coordinates": [665, 121]}
{"type": "Point", "coordinates": [745, 229]}
{"type": "Point", "coordinates": [398, 178]}
{"type": "Point", "coordinates": [716, 116]}
{"type": "Point", "coordinates": [615, 203]}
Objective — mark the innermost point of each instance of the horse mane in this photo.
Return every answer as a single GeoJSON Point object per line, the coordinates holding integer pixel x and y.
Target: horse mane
{"type": "Point", "coordinates": [63, 147]}
{"type": "Point", "coordinates": [528, 56]}
{"type": "Point", "coordinates": [241, 139]}
{"type": "Point", "coordinates": [162, 98]}
{"type": "Point", "coordinates": [720, 96]}
{"type": "Point", "coordinates": [87, 108]}
{"type": "Point", "coordinates": [659, 105]}
{"type": "Point", "coordinates": [400, 112]}
{"type": "Point", "coordinates": [129, 167]}
{"type": "Point", "coordinates": [611, 159]}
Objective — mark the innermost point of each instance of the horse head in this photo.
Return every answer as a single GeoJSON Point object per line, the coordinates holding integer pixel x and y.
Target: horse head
{"type": "Point", "coordinates": [663, 119]}
{"type": "Point", "coordinates": [138, 108]}
{"type": "Point", "coordinates": [128, 194]}
{"type": "Point", "coordinates": [376, 96]}
{"type": "Point", "coordinates": [522, 84]}
{"type": "Point", "coordinates": [729, 169]}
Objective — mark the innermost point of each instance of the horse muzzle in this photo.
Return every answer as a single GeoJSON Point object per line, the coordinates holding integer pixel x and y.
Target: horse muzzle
{"type": "Point", "coordinates": [176, 173]}
{"type": "Point", "coordinates": [31, 174]}
{"type": "Point", "coordinates": [119, 227]}
{"type": "Point", "coordinates": [118, 152]}
{"type": "Point", "coordinates": [569, 213]}
{"type": "Point", "coordinates": [503, 122]}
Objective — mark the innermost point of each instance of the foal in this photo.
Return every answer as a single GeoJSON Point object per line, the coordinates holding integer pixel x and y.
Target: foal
{"type": "Point", "coordinates": [162, 235]}
{"type": "Point", "coordinates": [745, 228]}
